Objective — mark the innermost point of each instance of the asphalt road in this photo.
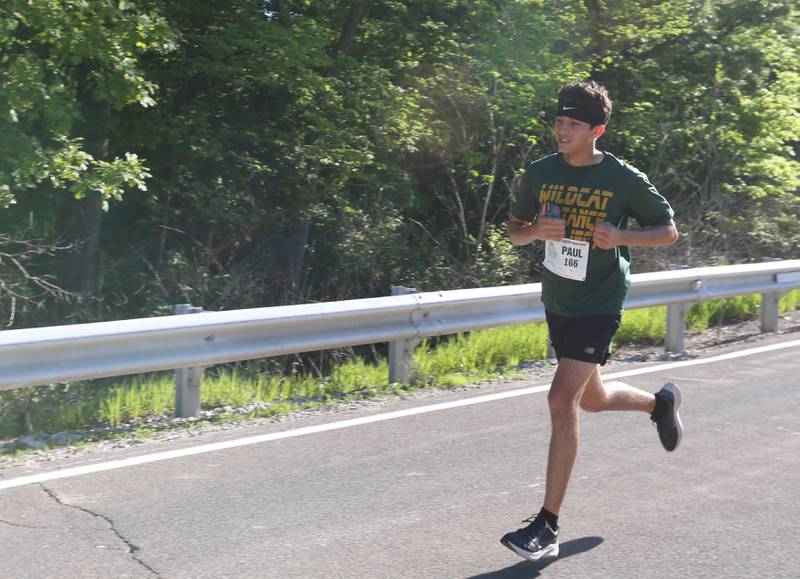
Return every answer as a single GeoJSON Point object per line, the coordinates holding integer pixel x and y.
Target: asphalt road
{"type": "Point", "coordinates": [429, 495]}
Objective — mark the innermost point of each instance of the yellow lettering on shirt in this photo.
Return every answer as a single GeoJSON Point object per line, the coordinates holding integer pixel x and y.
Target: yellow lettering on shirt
{"type": "Point", "coordinates": [581, 207]}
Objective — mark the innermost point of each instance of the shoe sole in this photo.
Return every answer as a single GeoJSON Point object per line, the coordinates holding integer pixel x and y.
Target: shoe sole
{"type": "Point", "coordinates": [676, 392]}
{"type": "Point", "coordinates": [547, 552]}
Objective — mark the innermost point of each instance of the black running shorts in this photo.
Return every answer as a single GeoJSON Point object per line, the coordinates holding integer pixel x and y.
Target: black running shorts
{"type": "Point", "coordinates": [584, 338]}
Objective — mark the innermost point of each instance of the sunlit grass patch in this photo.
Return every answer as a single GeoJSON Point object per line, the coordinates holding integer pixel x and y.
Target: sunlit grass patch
{"type": "Point", "coordinates": [789, 302]}
{"type": "Point", "coordinates": [479, 353]}
{"type": "Point", "coordinates": [644, 326]}
{"type": "Point", "coordinates": [357, 375]}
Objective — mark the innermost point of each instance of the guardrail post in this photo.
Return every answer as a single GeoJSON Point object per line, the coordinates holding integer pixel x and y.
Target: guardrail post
{"type": "Point", "coordinates": [551, 351]}
{"type": "Point", "coordinates": [676, 326]}
{"type": "Point", "coordinates": [187, 380]}
{"type": "Point", "coordinates": [401, 352]}
{"type": "Point", "coordinates": [676, 320]}
{"type": "Point", "coordinates": [769, 312]}
{"type": "Point", "coordinates": [769, 307]}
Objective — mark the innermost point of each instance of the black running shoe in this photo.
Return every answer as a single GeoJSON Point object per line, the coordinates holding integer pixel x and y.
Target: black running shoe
{"type": "Point", "coordinates": [536, 541]}
{"type": "Point", "coordinates": [670, 428]}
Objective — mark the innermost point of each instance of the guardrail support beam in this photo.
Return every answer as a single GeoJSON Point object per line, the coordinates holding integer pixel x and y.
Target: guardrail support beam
{"type": "Point", "coordinates": [187, 380]}
{"type": "Point", "coordinates": [676, 326]}
{"type": "Point", "coordinates": [142, 345]}
{"type": "Point", "coordinates": [401, 352]}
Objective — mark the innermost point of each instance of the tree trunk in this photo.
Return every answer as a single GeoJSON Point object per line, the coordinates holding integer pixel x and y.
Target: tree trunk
{"type": "Point", "coordinates": [297, 241]}
{"type": "Point", "coordinates": [597, 43]}
{"type": "Point", "coordinates": [498, 143]}
{"type": "Point", "coordinates": [91, 211]}
{"type": "Point", "coordinates": [283, 13]}
{"type": "Point", "coordinates": [81, 271]}
{"type": "Point", "coordinates": [348, 35]}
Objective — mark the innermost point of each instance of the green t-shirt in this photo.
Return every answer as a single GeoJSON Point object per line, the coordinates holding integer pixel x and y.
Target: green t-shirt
{"type": "Point", "coordinates": [609, 191]}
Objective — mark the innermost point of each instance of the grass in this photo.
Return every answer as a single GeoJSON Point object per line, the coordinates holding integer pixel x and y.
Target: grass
{"type": "Point", "coordinates": [443, 363]}
{"type": "Point", "coordinates": [478, 355]}
{"type": "Point", "coordinates": [645, 326]}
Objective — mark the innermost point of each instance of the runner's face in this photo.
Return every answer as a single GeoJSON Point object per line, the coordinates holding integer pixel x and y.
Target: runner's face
{"type": "Point", "coordinates": [574, 136]}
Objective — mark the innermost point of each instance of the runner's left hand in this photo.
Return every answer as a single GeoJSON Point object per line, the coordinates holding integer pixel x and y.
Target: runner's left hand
{"type": "Point", "coordinates": [606, 236]}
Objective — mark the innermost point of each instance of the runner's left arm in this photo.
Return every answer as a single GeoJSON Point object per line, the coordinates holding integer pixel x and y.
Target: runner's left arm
{"type": "Point", "coordinates": [651, 211]}
{"type": "Point", "coordinates": [606, 236]}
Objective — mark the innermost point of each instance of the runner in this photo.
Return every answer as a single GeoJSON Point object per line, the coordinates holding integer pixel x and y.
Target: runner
{"type": "Point", "coordinates": [579, 201]}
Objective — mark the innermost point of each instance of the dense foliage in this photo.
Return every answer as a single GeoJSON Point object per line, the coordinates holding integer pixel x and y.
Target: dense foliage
{"type": "Point", "coordinates": [259, 152]}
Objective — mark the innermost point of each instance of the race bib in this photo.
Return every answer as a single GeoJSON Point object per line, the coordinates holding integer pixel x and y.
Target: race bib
{"type": "Point", "coordinates": [567, 258]}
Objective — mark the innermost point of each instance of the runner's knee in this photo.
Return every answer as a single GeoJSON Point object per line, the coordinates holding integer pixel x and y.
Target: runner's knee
{"type": "Point", "coordinates": [563, 405]}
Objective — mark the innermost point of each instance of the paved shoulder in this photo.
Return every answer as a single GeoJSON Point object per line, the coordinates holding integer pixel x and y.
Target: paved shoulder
{"type": "Point", "coordinates": [430, 494]}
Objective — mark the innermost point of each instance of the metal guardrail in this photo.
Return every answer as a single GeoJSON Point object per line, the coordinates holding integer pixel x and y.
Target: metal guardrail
{"type": "Point", "coordinates": [36, 356]}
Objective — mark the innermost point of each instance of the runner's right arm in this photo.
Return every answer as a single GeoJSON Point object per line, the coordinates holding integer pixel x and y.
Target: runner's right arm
{"type": "Point", "coordinates": [544, 227]}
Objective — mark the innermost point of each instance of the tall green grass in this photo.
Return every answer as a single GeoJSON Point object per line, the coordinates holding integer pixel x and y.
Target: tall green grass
{"type": "Point", "coordinates": [477, 355]}
{"type": "Point", "coordinates": [789, 302]}
{"type": "Point", "coordinates": [645, 326]}
{"type": "Point", "coordinates": [449, 362]}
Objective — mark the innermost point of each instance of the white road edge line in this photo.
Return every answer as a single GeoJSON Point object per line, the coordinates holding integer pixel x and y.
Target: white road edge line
{"type": "Point", "coordinates": [204, 448]}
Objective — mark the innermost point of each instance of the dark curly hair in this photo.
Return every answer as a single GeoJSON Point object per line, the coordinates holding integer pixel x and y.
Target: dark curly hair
{"type": "Point", "coordinates": [592, 97]}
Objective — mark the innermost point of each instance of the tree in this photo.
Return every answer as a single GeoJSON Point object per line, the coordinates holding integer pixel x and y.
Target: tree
{"type": "Point", "coordinates": [300, 150]}
{"type": "Point", "coordinates": [707, 104]}
{"type": "Point", "coordinates": [68, 67]}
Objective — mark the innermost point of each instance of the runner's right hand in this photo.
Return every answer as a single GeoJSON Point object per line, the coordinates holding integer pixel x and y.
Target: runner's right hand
{"type": "Point", "coordinates": [549, 227]}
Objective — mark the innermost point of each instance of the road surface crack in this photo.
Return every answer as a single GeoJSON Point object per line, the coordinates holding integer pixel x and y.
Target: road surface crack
{"type": "Point", "coordinates": [11, 524]}
{"type": "Point", "coordinates": [132, 549]}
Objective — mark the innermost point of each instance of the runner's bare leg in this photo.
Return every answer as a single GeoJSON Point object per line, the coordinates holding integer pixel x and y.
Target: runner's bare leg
{"type": "Point", "coordinates": [580, 383]}
{"type": "Point", "coordinates": [565, 393]}
{"type": "Point", "coordinates": [599, 395]}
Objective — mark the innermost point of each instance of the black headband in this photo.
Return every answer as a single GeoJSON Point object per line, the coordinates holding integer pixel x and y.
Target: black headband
{"type": "Point", "coordinates": [570, 108]}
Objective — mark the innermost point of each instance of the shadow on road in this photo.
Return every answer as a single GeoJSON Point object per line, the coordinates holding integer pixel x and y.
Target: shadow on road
{"type": "Point", "coordinates": [530, 569]}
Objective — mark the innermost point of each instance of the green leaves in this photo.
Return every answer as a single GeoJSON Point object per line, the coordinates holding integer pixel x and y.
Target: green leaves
{"type": "Point", "coordinates": [273, 146]}
{"type": "Point", "coordinates": [65, 64]}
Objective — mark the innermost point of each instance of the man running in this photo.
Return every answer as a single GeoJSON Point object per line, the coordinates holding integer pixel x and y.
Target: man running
{"type": "Point", "coordinates": [579, 201]}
